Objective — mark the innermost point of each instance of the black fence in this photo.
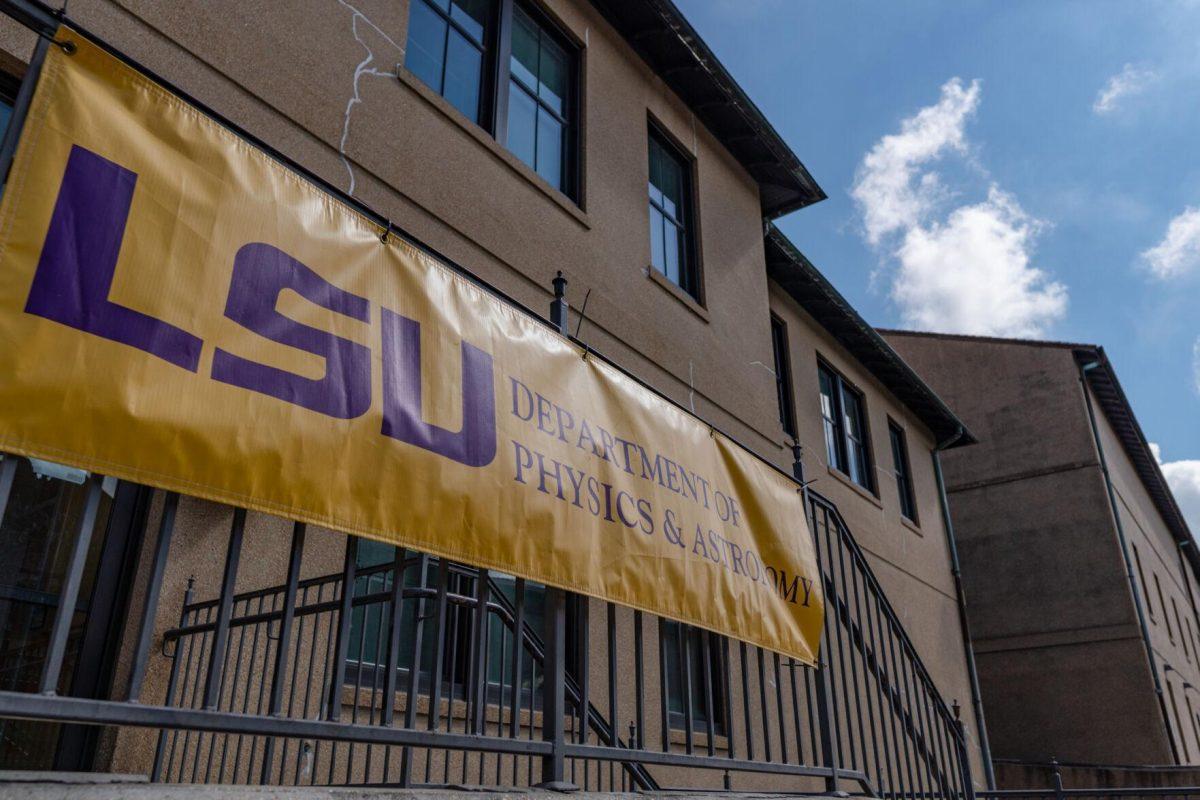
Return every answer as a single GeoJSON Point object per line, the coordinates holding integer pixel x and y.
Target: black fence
{"type": "Point", "coordinates": [429, 672]}
{"type": "Point", "coordinates": [1056, 790]}
{"type": "Point", "coordinates": [403, 669]}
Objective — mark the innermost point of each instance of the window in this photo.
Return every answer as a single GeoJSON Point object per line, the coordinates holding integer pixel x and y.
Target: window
{"type": "Point", "coordinates": [1179, 625]}
{"type": "Point", "coordinates": [540, 70]}
{"type": "Point", "coordinates": [672, 250]}
{"type": "Point", "coordinates": [1163, 605]}
{"type": "Point", "coordinates": [1192, 715]}
{"type": "Point", "coordinates": [448, 47]}
{"type": "Point", "coordinates": [844, 417]}
{"type": "Point", "coordinates": [506, 68]}
{"type": "Point", "coordinates": [908, 503]}
{"type": "Point", "coordinates": [686, 649]}
{"type": "Point", "coordinates": [366, 652]}
{"type": "Point", "coordinates": [1137, 557]}
{"type": "Point", "coordinates": [38, 530]}
{"type": "Point", "coordinates": [1178, 725]}
{"type": "Point", "coordinates": [783, 376]}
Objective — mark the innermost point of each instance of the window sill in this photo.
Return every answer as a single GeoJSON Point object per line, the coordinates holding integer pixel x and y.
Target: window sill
{"type": "Point", "coordinates": [689, 302]}
{"type": "Point", "coordinates": [498, 150]}
{"type": "Point", "coordinates": [700, 739]}
{"type": "Point", "coordinates": [911, 525]}
{"type": "Point", "coordinates": [848, 481]}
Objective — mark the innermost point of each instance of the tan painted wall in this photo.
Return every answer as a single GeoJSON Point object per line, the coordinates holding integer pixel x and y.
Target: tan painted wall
{"type": "Point", "coordinates": [1175, 628]}
{"type": "Point", "coordinates": [911, 561]}
{"type": "Point", "coordinates": [286, 72]}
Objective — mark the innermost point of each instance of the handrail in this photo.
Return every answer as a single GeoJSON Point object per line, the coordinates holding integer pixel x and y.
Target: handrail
{"type": "Point", "coordinates": [860, 555]}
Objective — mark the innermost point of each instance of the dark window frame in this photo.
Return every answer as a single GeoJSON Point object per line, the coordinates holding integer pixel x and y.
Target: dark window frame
{"type": "Point", "coordinates": [570, 117]}
{"type": "Point", "coordinates": [840, 457]}
{"type": "Point", "coordinates": [1162, 602]}
{"type": "Point", "coordinates": [496, 79]}
{"type": "Point", "coordinates": [673, 633]}
{"type": "Point", "coordinates": [783, 375]}
{"type": "Point", "coordinates": [374, 576]}
{"type": "Point", "coordinates": [902, 466]}
{"type": "Point", "coordinates": [1178, 723]}
{"type": "Point", "coordinates": [43, 515]}
{"type": "Point", "coordinates": [691, 269]}
{"type": "Point", "coordinates": [489, 53]}
{"type": "Point", "coordinates": [1137, 557]}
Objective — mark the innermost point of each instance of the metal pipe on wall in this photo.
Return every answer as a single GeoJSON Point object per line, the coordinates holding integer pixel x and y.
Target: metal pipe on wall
{"type": "Point", "coordinates": [1133, 586]}
{"type": "Point", "coordinates": [985, 748]}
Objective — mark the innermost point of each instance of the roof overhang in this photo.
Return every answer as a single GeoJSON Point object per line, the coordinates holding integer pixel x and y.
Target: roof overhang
{"type": "Point", "coordinates": [796, 275]}
{"type": "Point", "coordinates": [1102, 379]}
{"type": "Point", "coordinates": [665, 40]}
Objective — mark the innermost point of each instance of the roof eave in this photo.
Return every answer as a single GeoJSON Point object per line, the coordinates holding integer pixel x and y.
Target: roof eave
{"type": "Point", "coordinates": [1117, 410]}
{"type": "Point", "coordinates": [793, 272]}
{"type": "Point", "coordinates": [683, 61]}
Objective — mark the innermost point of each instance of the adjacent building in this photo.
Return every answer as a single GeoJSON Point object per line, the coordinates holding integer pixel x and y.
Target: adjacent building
{"type": "Point", "coordinates": [519, 138]}
{"type": "Point", "coordinates": [1080, 570]}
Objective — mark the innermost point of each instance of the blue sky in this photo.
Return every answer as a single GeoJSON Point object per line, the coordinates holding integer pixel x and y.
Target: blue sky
{"type": "Point", "coordinates": [1012, 168]}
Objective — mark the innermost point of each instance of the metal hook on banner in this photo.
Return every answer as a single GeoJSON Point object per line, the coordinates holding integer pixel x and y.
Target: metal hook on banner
{"type": "Point", "coordinates": [387, 232]}
{"type": "Point", "coordinates": [579, 325]}
{"type": "Point", "coordinates": [65, 45]}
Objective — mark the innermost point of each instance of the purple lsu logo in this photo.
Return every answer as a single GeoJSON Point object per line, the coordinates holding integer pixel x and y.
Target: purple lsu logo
{"type": "Point", "coordinates": [75, 274]}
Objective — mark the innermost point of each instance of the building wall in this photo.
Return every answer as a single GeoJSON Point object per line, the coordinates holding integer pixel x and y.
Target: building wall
{"type": "Point", "coordinates": [911, 560]}
{"type": "Point", "coordinates": [312, 78]}
{"type": "Point", "coordinates": [1061, 659]}
{"type": "Point", "coordinates": [1167, 592]}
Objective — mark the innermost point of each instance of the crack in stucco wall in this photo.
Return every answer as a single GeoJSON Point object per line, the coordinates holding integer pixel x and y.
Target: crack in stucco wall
{"type": "Point", "coordinates": [364, 67]}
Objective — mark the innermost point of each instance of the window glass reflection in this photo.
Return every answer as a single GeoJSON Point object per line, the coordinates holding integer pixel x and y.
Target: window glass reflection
{"type": "Point", "coordinates": [669, 233]}
{"type": "Point", "coordinates": [538, 130]}
{"type": "Point", "coordinates": [446, 48]}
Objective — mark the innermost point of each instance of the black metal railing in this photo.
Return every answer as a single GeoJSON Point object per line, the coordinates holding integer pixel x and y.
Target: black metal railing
{"type": "Point", "coordinates": [429, 672]}
{"type": "Point", "coordinates": [890, 722]}
{"type": "Point", "coordinates": [1057, 791]}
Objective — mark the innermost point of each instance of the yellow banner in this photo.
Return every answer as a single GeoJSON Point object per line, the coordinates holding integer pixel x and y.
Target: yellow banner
{"type": "Point", "coordinates": [179, 309]}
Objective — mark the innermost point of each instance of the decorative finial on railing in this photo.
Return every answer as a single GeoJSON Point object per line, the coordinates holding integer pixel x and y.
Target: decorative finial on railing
{"type": "Point", "coordinates": [558, 307]}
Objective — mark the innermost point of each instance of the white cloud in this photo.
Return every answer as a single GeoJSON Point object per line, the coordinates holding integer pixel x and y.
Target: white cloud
{"type": "Point", "coordinates": [884, 186]}
{"type": "Point", "coordinates": [1129, 81]}
{"type": "Point", "coordinates": [1179, 251]}
{"type": "Point", "coordinates": [1184, 479]}
{"type": "Point", "coordinates": [1196, 365]}
{"type": "Point", "coordinates": [971, 273]}
{"type": "Point", "coordinates": [962, 270]}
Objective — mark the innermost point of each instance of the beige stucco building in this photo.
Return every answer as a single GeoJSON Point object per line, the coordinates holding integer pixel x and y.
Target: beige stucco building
{"type": "Point", "coordinates": [691, 289]}
{"type": "Point", "coordinates": [1079, 566]}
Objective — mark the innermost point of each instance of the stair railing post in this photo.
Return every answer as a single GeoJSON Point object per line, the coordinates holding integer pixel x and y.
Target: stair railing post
{"type": "Point", "coordinates": [554, 681]}
{"type": "Point", "coordinates": [964, 761]}
{"type": "Point", "coordinates": [825, 720]}
{"type": "Point", "coordinates": [554, 685]}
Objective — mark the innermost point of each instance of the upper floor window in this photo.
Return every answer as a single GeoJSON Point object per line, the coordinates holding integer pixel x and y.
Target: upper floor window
{"type": "Point", "coordinates": [783, 376]}
{"type": "Point", "coordinates": [525, 95]}
{"type": "Point", "coordinates": [908, 502]}
{"type": "Point", "coordinates": [843, 412]}
{"type": "Point", "coordinates": [448, 43]}
{"type": "Point", "coordinates": [539, 97]}
{"type": "Point", "coordinates": [1163, 605]}
{"type": "Point", "coordinates": [1137, 557]}
{"type": "Point", "coordinates": [672, 238]}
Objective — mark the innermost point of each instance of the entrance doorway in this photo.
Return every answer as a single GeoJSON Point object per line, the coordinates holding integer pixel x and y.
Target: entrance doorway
{"type": "Point", "coordinates": [37, 532]}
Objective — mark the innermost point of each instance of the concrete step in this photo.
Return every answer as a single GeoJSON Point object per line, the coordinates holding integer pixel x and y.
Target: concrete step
{"type": "Point", "coordinates": [98, 786]}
